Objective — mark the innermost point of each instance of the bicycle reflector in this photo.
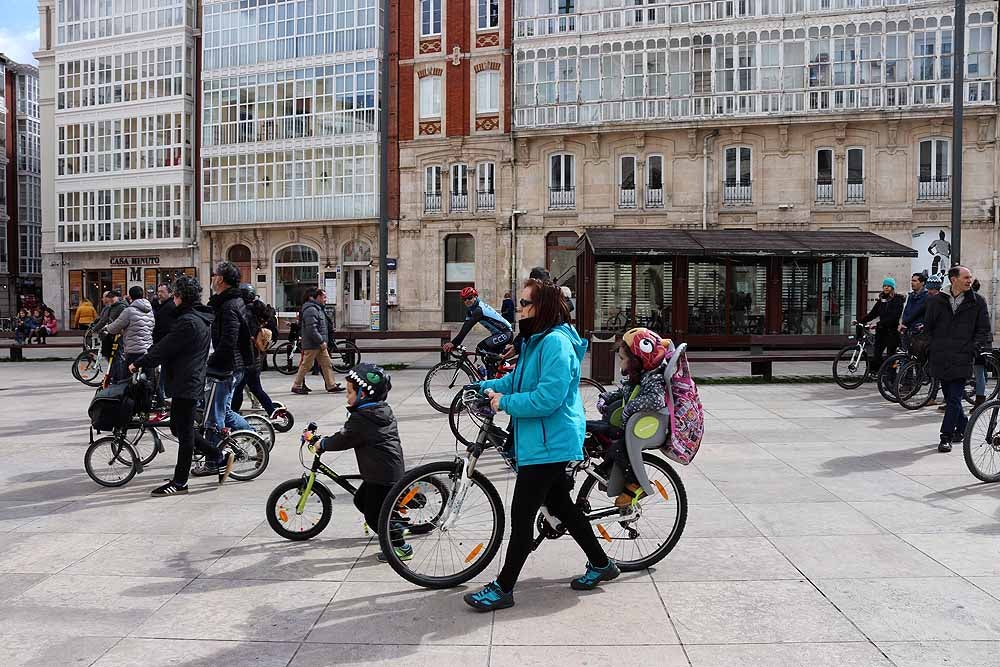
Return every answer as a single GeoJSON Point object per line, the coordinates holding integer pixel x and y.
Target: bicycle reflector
{"type": "Point", "coordinates": [475, 552]}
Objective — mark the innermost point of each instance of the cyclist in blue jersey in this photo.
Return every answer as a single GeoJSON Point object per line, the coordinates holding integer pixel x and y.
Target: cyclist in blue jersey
{"type": "Point", "coordinates": [482, 313]}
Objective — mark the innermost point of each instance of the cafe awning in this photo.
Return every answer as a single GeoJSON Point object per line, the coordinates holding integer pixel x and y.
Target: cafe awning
{"type": "Point", "coordinates": [741, 242]}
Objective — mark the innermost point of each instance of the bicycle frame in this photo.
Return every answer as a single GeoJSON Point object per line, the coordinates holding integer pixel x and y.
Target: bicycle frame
{"type": "Point", "coordinates": [310, 479]}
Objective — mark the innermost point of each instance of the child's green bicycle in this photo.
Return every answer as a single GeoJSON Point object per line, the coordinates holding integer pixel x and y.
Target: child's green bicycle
{"type": "Point", "coordinates": [301, 508]}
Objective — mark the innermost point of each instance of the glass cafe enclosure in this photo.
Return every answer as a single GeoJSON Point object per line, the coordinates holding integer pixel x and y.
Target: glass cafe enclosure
{"type": "Point", "coordinates": [727, 288]}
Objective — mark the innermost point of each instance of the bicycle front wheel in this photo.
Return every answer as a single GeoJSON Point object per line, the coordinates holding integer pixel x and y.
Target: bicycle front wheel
{"type": "Point", "coordinates": [345, 357]}
{"type": "Point", "coordinates": [887, 376]}
{"type": "Point", "coordinates": [914, 386]}
{"type": "Point", "coordinates": [87, 368]}
{"type": "Point", "coordinates": [981, 445]}
{"type": "Point", "coordinates": [992, 371]}
{"type": "Point", "coordinates": [282, 513]}
{"type": "Point", "coordinates": [850, 367]}
{"type": "Point", "coordinates": [285, 359]}
{"type": "Point", "coordinates": [263, 427]}
{"type": "Point", "coordinates": [443, 381]}
{"type": "Point", "coordinates": [590, 391]}
{"type": "Point", "coordinates": [110, 461]}
{"type": "Point", "coordinates": [641, 535]}
{"type": "Point", "coordinates": [251, 454]}
{"type": "Point", "coordinates": [462, 524]}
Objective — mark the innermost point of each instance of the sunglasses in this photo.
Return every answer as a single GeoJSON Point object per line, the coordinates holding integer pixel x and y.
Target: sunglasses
{"type": "Point", "coordinates": [525, 303]}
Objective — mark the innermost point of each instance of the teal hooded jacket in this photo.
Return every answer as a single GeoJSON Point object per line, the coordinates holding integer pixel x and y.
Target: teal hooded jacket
{"type": "Point", "coordinates": [542, 396]}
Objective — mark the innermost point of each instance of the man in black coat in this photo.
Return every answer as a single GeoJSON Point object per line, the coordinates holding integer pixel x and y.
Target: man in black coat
{"type": "Point", "coordinates": [887, 309]}
{"type": "Point", "coordinates": [164, 310]}
{"type": "Point", "coordinates": [959, 326]}
{"type": "Point", "coordinates": [183, 354]}
{"type": "Point", "coordinates": [231, 345]}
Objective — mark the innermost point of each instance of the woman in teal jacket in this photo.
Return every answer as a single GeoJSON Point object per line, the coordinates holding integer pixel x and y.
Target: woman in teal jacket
{"type": "Point", "coordinates": [548, 426]}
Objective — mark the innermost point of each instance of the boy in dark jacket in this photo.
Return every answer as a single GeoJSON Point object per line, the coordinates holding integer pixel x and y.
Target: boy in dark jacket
{"type": "Point", "coordinates": [371, 431]}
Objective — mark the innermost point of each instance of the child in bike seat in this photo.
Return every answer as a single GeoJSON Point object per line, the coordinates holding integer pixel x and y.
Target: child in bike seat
{"type": "Point", "coordinates": [641, 354]}
{"type": "Point", "coordinates": [371, 431]}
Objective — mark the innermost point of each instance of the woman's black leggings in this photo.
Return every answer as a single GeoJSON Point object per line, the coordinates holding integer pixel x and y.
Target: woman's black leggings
{"type": "Point", "coordinates": [545, 484]}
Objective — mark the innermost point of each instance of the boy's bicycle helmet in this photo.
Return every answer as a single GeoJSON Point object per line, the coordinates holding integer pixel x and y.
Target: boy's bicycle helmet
{"type": "Point", "coordinates": [646, 346]}
{"type": "Point", "coordinates": [469, 293]}
{"type": "Point", "coordinates": [372, 381]}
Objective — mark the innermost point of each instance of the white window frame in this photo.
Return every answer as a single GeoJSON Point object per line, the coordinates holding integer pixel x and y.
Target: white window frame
{"type": "Point", "coordinates": [934, 176]}
{"type": "Point", "coordinates": [430, 18]}
{"type": "Point", "coordinates": [459, 176]}
{"type": "Point", "coordinates": [564, 159]}
{"type": "Point", "coordinates": [486, 177]}
{"type": "Point", "coordinates": [739, 162]}
{"type": "Point", "coordinates": [430, 97]}
{"type": "Point", "coordinates": [432, 180]}
{"type": "Point", "coordinates": [488, 91]}
{"type": "Point", "coordinates": [487, 18]}
{"type": "Point", "coordinates": [627, 200]}
{"type": "Point", "coordinates": [855, 191]}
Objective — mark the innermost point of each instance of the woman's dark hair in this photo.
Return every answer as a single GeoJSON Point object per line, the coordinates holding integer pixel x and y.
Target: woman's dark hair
{"type": "Point", "coordinates": [188, 290]}
{"type": "Point", "coordinates": [229, 272]}
{"type": "Point", "coordinates": [634, 367]}
{"type": "Point", "coordinates": [551, 308]}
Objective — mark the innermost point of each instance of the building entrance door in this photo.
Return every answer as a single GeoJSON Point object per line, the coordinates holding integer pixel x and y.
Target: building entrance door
{"type": "Point", "coordinates": [358, 296]}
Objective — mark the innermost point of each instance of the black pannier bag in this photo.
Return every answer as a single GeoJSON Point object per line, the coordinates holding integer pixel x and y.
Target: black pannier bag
{"type": "Point", "coordinates": [113, 407]}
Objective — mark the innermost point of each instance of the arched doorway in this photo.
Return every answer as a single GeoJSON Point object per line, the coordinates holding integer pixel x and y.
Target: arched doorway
{"type": "Point", "coordinates": [296, 269]}
{"type": "Point", "coordinates": [240, 256]}
{"type": "Point", "coordinates": [357, 277]}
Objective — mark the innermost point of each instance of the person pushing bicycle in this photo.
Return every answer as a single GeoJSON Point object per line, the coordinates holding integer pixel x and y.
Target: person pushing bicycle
{"type": "Point", "coordinates": [479, 312]}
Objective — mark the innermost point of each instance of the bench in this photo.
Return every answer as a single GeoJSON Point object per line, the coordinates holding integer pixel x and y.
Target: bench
{"type": "Point", "coordinates": [16, 349]}
{"type": "Point", "coordinates": [761, 363]}
{"type": "Point", "coordinates": [354, 335]}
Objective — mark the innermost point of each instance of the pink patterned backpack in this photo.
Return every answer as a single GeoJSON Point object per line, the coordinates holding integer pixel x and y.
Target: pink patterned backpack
{"type": "Point", "coordinates": [687, 416]}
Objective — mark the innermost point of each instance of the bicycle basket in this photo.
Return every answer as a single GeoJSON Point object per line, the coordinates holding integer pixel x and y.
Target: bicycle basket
{"type": "Point", "coordinates": [920, 345]}
{"type": "Point", "coordinates": [112, 408]}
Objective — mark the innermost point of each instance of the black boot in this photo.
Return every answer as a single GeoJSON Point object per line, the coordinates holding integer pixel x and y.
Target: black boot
{"type": "Point", "coordinates": [945, 445]}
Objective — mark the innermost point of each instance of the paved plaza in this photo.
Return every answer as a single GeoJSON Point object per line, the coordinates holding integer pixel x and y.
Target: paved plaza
{"type": "Point", "coordinates": [824, 529]}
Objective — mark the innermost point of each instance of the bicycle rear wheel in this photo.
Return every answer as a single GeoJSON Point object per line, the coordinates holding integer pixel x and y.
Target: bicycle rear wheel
{"type": "Point", "coordinates": [462, 533]}
{"type": "Point", "coordinates": [887, 376]}
{"type": "Point", "coordinates": [850, 367]}
{"type": "Point", "coordinates": [345, 357]}
{"type": "Point", "coordinates": [443, 381]}
{"type": "Point", "coordinates": [981, 445]}
{"type": "Point", "coordinates": [262, 426]}
{"type": "Point", "coordinates": [643, 535]}
{"type": "Point", "coordinates": [466, 425]}
{"type": "Point", "coordinates": [251, 453]}
{"type": "Point", "coordinates": [110, 461]}
{"type": "Point", "coordinates": [992, 371]}
{"type": "Point", "coordinates": [283, 419]}
{"type": "Point", "coordinates": [590, 391]}
{"type": "Point", "coordinates": [285, 359]}
{"type": "Point", "coordinates": [914, 386]}
{"type": "Point", "coordinates": [87, 368]}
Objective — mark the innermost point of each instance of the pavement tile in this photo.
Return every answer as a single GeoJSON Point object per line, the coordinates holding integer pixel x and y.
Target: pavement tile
{"type": "Point", "coordinates": [282, 560]}
{"type": "Point", "coordinates": [42, 649]}
{"type": "Point", "coordinates": [844, 654]}
{"type": "Point", "coordinates": [85, 605]}
{"type": "Point", "coordinates": [942, 653]}
{"type": "Point", "coordinates": [753, 612]}
{"type": "Point", "coordinates": [189, 653]}
{"type": "Point", "coordinates": [966, 554]}
{"type": "Point", "coordinates": [587, 656]}
{"type": "Point", "coordinates": [938, 516]}
{"type": "Point", "coordinates": [384, 613]}
{"type": "Point", "coordinates": [252, 610]}
{"type": "Point", "coordinates": [12, 585]}
{"type": "Point", "coordinates": [989, 584]}
{"type": "Point", "coordinates": [717, 521]}
{"type": "Point", "coordinates": [825, 557]}
{"type": "Point", "coordinates": [799, 519]}
{"type": "Point", "coordinates": [48, 552]}
{"type": "Point", "coordinates": [566, 611]}
{"type": "Point", "coordinates": [154, 556]}
{"type": "Point", "coordinates": [916, 609]}
{"type": "Point", "coordinates": [724, 559]}
{"type": "Point", "coordinates": [350, 655]}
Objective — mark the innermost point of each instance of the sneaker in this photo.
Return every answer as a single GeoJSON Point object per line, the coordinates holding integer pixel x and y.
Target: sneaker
{"type": "Point", "coordinates": [958, 437]}
{"type": "Point", "coordinates": [168, 489]}
{"type": "Point", "coordinates": [404, 553]}
{"type": "Point", "coordinates": [300, 390]}
{"type": "Point", "coordinates": [490, 598]}
{"type": "Point", "coordinates": [945, 445]}
{"type": "Point", "coordinates": [205, 469]}
{"type": "Point", "coordinates": [159, 417]}
{"type": "Point", "coordinates": [593, 576]}
{"type": "Point", "coordinates": [336, 389]}
{"type": "Point", "coordinates": [630, 496]}
{"type": "Point", "coordinates": [226, 465]}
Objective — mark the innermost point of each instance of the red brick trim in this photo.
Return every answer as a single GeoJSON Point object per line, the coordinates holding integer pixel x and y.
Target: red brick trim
{"type": "Point", "coordinates": [430, 127]}
{"type": "Point", "coordinates": [430, 45]}
{"type": "Point", "coordinates": [429, 71]}
{"type": "Point", "coordinates": [487, 40]}
{"type": "Point", "coordinates": [481, 67]}
{"type": "Point", "coordinates": [487, 123]}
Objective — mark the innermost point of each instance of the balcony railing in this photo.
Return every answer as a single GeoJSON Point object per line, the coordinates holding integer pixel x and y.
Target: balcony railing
{"type": "Point", "coordinates": [563, 198]}
{"type": "Point", "coordinates": [486, 200]}
{"type": "Point", "coordinates": [654, 197]}
{"type": "Point", "coordinates": [626, 198]}
{"type": "Point", "coordinates": [855, 191]}
{"type": "Point", "coordinates": [432, 202]}
{"type": "Point", "coordinates": [824, 191]}
{"type": "Point", "coordinates": [936, 189]}
{"type": "Point", "coordinates": [737, 192]}
{"type": "Point", "coordinates": [459, 201]}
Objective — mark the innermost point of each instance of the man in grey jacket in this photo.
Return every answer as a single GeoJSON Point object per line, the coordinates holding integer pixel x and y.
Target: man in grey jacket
{"type": "Point", "coordinates": [135, 324]}
{"type": "Point", "coordinates": [314, 341]}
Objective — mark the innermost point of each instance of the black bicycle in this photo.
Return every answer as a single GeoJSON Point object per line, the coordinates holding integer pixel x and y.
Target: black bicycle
{"type": "Point", "coordinates": [981, 444]}
{"type": "Point", "coordinates": [461, 368]}
{"type": "Point", "coordinates": [344, 355]}
{"type": "Point", "coordinates": [466, 516]}
{"type": "Point", "coordinates": [301, 508]}
{"type": "Point", "coordinates": [850, 366]}
{"type": "Point", "coordinates": [88, 367]}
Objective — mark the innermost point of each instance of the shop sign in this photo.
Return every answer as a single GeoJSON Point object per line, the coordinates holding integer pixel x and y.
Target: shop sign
{"type": "Point", "coordinates": [151, 260]}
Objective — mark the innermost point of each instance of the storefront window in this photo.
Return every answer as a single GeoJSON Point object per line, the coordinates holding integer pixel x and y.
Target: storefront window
{"type": "Point", "coordinates": [707, 298]}
{"type": "Point", "coordinates": [296, 269]}
{"type": "Point", "coordinates": [748, 299]}
{"type": "Point", "coordinates": [799, 300]}
{"type": "Point", "coordinates": [839, 295]}
{"type": "Point", "coordinates": [612, 295]}
{"type": "Point", "coordinates": [459, 272]}
{"type": "Point", "coordinates": [560, 257]}
{"type": "Point", "coordinates": [654, 295]}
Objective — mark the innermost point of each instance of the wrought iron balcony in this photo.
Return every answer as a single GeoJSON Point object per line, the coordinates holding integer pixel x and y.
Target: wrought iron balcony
{"type": "Point", "coordinates": [626, 197]}
{"type": "Point", "coordinates": [486, 201]}
{"type": "Point", "coordinates": [654, 197]}
{"type": "Point", "coordinates": [459, 201]}
{"type": "Point", "coordinates": [824, 191]}
{"type": "Point", "coordinates": [934, 189]}
{"type": "Point", "coordinates": [737, 192]}
{"type": "Point", "coordinates": [562, 198]}
{"type": "Point", "coordinates": [855, 190]}
{"type": "Point", "coordinates": [432, 202]}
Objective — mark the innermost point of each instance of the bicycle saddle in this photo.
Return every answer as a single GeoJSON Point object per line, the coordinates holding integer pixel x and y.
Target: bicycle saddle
{"type": "Point", "coordinates": [217, 375]}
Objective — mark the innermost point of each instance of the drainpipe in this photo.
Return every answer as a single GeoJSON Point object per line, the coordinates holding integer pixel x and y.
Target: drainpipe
{"type": "Point", "coordinates": [993, 287]}
{"type": "Point", "coordinates": [704, 186]}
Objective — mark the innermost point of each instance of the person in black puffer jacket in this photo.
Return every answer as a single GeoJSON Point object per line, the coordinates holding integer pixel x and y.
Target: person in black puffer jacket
{"type": "Point", "coordinates": [371, 431]}
{"type": "Point", "coordinates": [231, 345]}
{"type": "Point", "coordinates": [183, 354]}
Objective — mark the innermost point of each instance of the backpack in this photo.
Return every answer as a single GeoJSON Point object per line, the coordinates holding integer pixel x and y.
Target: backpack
{"type": "Point", "coordinates": [687, 416]}
{"type": "Point", "coordinates": [112, 407]}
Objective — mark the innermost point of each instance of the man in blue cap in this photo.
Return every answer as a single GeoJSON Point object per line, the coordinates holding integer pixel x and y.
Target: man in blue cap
{"type": "Point", "coordinates": [887, 310]}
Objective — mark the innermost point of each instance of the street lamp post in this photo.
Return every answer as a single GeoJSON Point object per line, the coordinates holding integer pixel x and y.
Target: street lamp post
{"type": "Point", "coordinates": [383, 198]}
{"type": "Point", "coordinates": [957, 102]}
